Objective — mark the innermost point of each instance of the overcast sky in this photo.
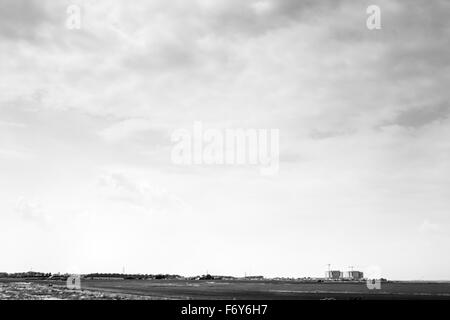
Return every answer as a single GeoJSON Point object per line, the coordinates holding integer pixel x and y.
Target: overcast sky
{"type": "Point", "coordinates": [86, 179]}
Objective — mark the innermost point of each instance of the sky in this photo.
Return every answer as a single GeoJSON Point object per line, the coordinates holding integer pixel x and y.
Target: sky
{"type": "Point", "coordinates": [86, 116]}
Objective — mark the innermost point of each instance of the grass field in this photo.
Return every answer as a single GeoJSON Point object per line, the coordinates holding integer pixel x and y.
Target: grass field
{"type": "Point", "coordinates": [179, 289]}
{"type": "Point", "coordinates": [220, 289]}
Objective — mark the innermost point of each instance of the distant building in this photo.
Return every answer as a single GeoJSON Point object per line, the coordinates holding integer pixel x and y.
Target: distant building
{"type": "Point", "coordinates": [354, 275]}
{"type": "Point", "coordinates": [334, 275]}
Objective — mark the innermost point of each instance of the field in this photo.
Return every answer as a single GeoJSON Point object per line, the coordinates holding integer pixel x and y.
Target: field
{"type": "Point", "coordinates": [220, 289]}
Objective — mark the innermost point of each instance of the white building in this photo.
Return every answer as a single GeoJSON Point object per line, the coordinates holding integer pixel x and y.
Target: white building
{"type": "Point", "coordinates": [334, 275]}
{"type": "Point", "coordinates": [354, 275]}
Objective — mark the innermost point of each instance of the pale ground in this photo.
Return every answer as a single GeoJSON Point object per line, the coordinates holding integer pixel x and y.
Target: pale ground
{"type": "Point", "coordinates": [37, 291]}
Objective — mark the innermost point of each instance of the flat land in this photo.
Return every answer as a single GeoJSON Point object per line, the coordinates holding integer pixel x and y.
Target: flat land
{"type": "Point", "coordinates": [220, 289]}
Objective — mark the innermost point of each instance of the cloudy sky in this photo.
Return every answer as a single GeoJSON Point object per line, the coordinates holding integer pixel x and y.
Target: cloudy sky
{"type": "Point", "coordinates": [86, 178]}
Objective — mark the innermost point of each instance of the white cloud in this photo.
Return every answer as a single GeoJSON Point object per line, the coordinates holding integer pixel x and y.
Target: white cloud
{"type": "Point", "coordinates": [9, 153]}
{"type": "Point", "coordinates": [262, 7]}
{"type": "Point", "coordinates": [427, 227]}
{"type": "Point", "coordinates": [125, 129]}
{"type": "Point", "coordinates": [32, 210]}
{"type": "Point", "coordinates": [152, 198]}
{"type": "Point", "coordinates": [8, 124]}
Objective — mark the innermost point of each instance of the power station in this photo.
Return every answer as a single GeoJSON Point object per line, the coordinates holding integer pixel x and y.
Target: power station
{"type": "Point", "coordinates": [348, 275]}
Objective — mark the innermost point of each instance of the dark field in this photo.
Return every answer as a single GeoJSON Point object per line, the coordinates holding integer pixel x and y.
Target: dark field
{"type": "Point", "coordinates": [221, 289]}
{"type": "Point", "coordinates": [179, 289]}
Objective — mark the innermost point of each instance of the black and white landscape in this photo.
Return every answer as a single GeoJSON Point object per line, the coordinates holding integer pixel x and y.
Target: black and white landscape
{"type": "Point", "coordinates": [224, 149]}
